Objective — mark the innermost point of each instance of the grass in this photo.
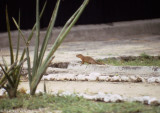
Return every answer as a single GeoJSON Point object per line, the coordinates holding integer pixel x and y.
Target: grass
{"type": "Point", "coordinates": [71, 104]}
{"type": "Point", "coordinates": [142, 60]}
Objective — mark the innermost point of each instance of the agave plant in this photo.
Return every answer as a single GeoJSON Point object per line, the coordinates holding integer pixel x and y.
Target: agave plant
{"type": "Point", "coordinates": [12, 73]}
{"type": "Point", "coordinates": [40, 63]}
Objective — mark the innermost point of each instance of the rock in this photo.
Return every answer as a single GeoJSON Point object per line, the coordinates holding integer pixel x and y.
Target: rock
{"type": "Point", "coordinates": [102, 78]}
{"type": "Point", "coordinates": [100, 96]}
{"type": "Point", "coordinates": [139, 79]}
{"type": "Point", "coordinates": [2, 91]}
{"type": "Point", "coordinates": [133, 79]}
{"type": "Point", "coordinates": [115, 79]}
{"type": "Point", "coordinates": [146, 99]}
{"type": "Point", "coordinates": [137, 99]}
{"type": "Point", "coordinates": [60, 77]}
{"type": "Point", "coordinates": [28, 92]}
{"type": "Point", "coordinates": [39, 91]}
{"type": "Point", "coordinates": [124, 79]}
{"type": "Point", "coordinates": [89, 97]}
{"type": "Point", "coordinates": [66, 93]}
{"type": "Point", "coordinates": [113, 98]}
{"type": "Point", "coordinates": [107, 99]}
{"type": "Point", "coordinates": [81, 77]}
{"type": "Point", "coordinates": [157, 80]}
{"type": "Point", "coordinates": [49, 77]}
{"type": "Point", "coordinates": [70, 77]}
{"type": "Point", "coordinates": [91, 78]}
{"type": "Point", "coordinates": [116, 98]}
{"type": "Point", "coordinates": [151, 80]}
{"type": "Point", "coordinates": [108, 78]}
{"type": "Point", "coordinates": [153, 101]}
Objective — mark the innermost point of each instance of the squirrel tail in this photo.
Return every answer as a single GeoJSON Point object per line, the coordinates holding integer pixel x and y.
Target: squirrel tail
{"type": "Point", "coordinates": [100, 63]}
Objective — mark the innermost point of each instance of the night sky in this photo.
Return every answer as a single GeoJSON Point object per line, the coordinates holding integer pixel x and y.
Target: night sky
{"type": "Point", "coordinates": [97, 11]}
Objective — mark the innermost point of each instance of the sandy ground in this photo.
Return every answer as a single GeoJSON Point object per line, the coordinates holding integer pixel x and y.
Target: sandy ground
{"type": "Point", "coordinates": [101, 43]}
{"type": "Point", "coordinates": [125, 89]}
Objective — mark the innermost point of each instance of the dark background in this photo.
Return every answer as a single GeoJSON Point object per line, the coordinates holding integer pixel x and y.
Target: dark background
{"type": "Point", "coordinates": [97, 11]}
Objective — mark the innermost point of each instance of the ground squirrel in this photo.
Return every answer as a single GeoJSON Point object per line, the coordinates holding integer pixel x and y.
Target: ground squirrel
{"type": "Point", "coordinates": [88, 59]}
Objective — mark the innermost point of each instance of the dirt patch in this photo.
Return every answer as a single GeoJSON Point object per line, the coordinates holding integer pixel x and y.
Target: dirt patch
{"type": "Point", "coordinates": [59, 65]}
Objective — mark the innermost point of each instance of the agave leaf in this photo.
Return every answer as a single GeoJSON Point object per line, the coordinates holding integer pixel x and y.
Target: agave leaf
{"type": "Point", "coordinates": [9, 71]}
{"type": "Point", "coordinates": [18, 37]}
{"type": "Point", "coordinates": [34, 27]}
{"type": "Point", "coordinates": [7, 76]}
{"type": "Point", "coordinates": [20, 31]}
{"type": "Point", "coordinates": [65, 30]}
{"type": "Point", "coordinates": [36, 49]}
{"type": "Point", "coordinates": [29, 66]}
{"type": "Point", "coordinates": [19, 72]}
{"type": "Point", "coordinates": [42, 68]}
{"type": "Point", "coordinates": [48, 33]}
{"type": "Point", "coordinates": [36, 79]}
{"type": "Point", "coordinates": [5, 63]}
{"type": "Point", "coordinates": [28, 41]}
{"type": "Point", "coordinates": [9, 37]}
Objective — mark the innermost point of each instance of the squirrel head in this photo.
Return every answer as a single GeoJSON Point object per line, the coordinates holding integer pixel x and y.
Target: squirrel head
{"type": "Point", "coordinates": [79, 55]}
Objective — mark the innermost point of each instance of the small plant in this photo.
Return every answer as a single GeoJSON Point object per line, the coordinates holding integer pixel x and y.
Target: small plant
{"type": "Point", "coordinates": [11, 74]}
{"type": "Point", "coordinates": [145, 56]}
{"type": "Point", "coordinates": [142, 60]}
{"type": "Point", "coordinates": [40, 63]}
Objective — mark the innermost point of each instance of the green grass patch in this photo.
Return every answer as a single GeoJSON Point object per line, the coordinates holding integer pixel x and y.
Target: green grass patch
{"type": "Point", "coordinates": [73, 104]}
{"type": "Point", "coordinates": [142, 60]}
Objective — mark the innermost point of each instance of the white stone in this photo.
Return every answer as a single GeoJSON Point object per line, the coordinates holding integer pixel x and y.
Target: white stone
{"type": "Point", "coordinates": [137, 99]}
{"type": "Point", "coordinates": [151, 80]}
{"type": "Point", "coordinates": [60, 77]}
{"type": "Point", "coordinates": [124, 79]}
{"type": "Point", "coordinates": [2, 91]}
{"type": "Point", "coordinates": [116, 98]}
{"type": "Point", "coordinates": [157, 79]}
{"type": "Point", "coordinates": [115, 79]}
{"type": "Point", "coordinates": [89, 97]}
{"type": "Point", "coordinates": [39, 91]}
{"type": "Point", "coordinates": [108, 78]}
{"type": "Point", "coordinates": [102, 78]}
{"type": "Point", "coordinates": [91, 78]}
{"type": "Point", "coordinates": [100, 96]}
{"type": "Point", "coordinates": [66, 93]}
{"type": "Point", "coordinates": [153, 101]}
{"type": "Point", "coordinates": [81, 77]}
{"type": "Point", "coordinates": [49, 77]}
{"type": "Point", "coordinates": [107, 99]}
{"type": "Point", "coordinates": [80, 94]}
{"type": "Point", "coordinates": [28, 92]}
{"type": "Point", "coordinates": [70, 77]}
{"type": "Point", "coordinates": [146, 99]}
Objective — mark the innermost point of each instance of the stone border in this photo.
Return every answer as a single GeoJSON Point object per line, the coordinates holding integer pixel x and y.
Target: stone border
{"type": "Point", "coordinates": [100, 96]}
{"type": "Point", "coordinates": [94, 76]}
